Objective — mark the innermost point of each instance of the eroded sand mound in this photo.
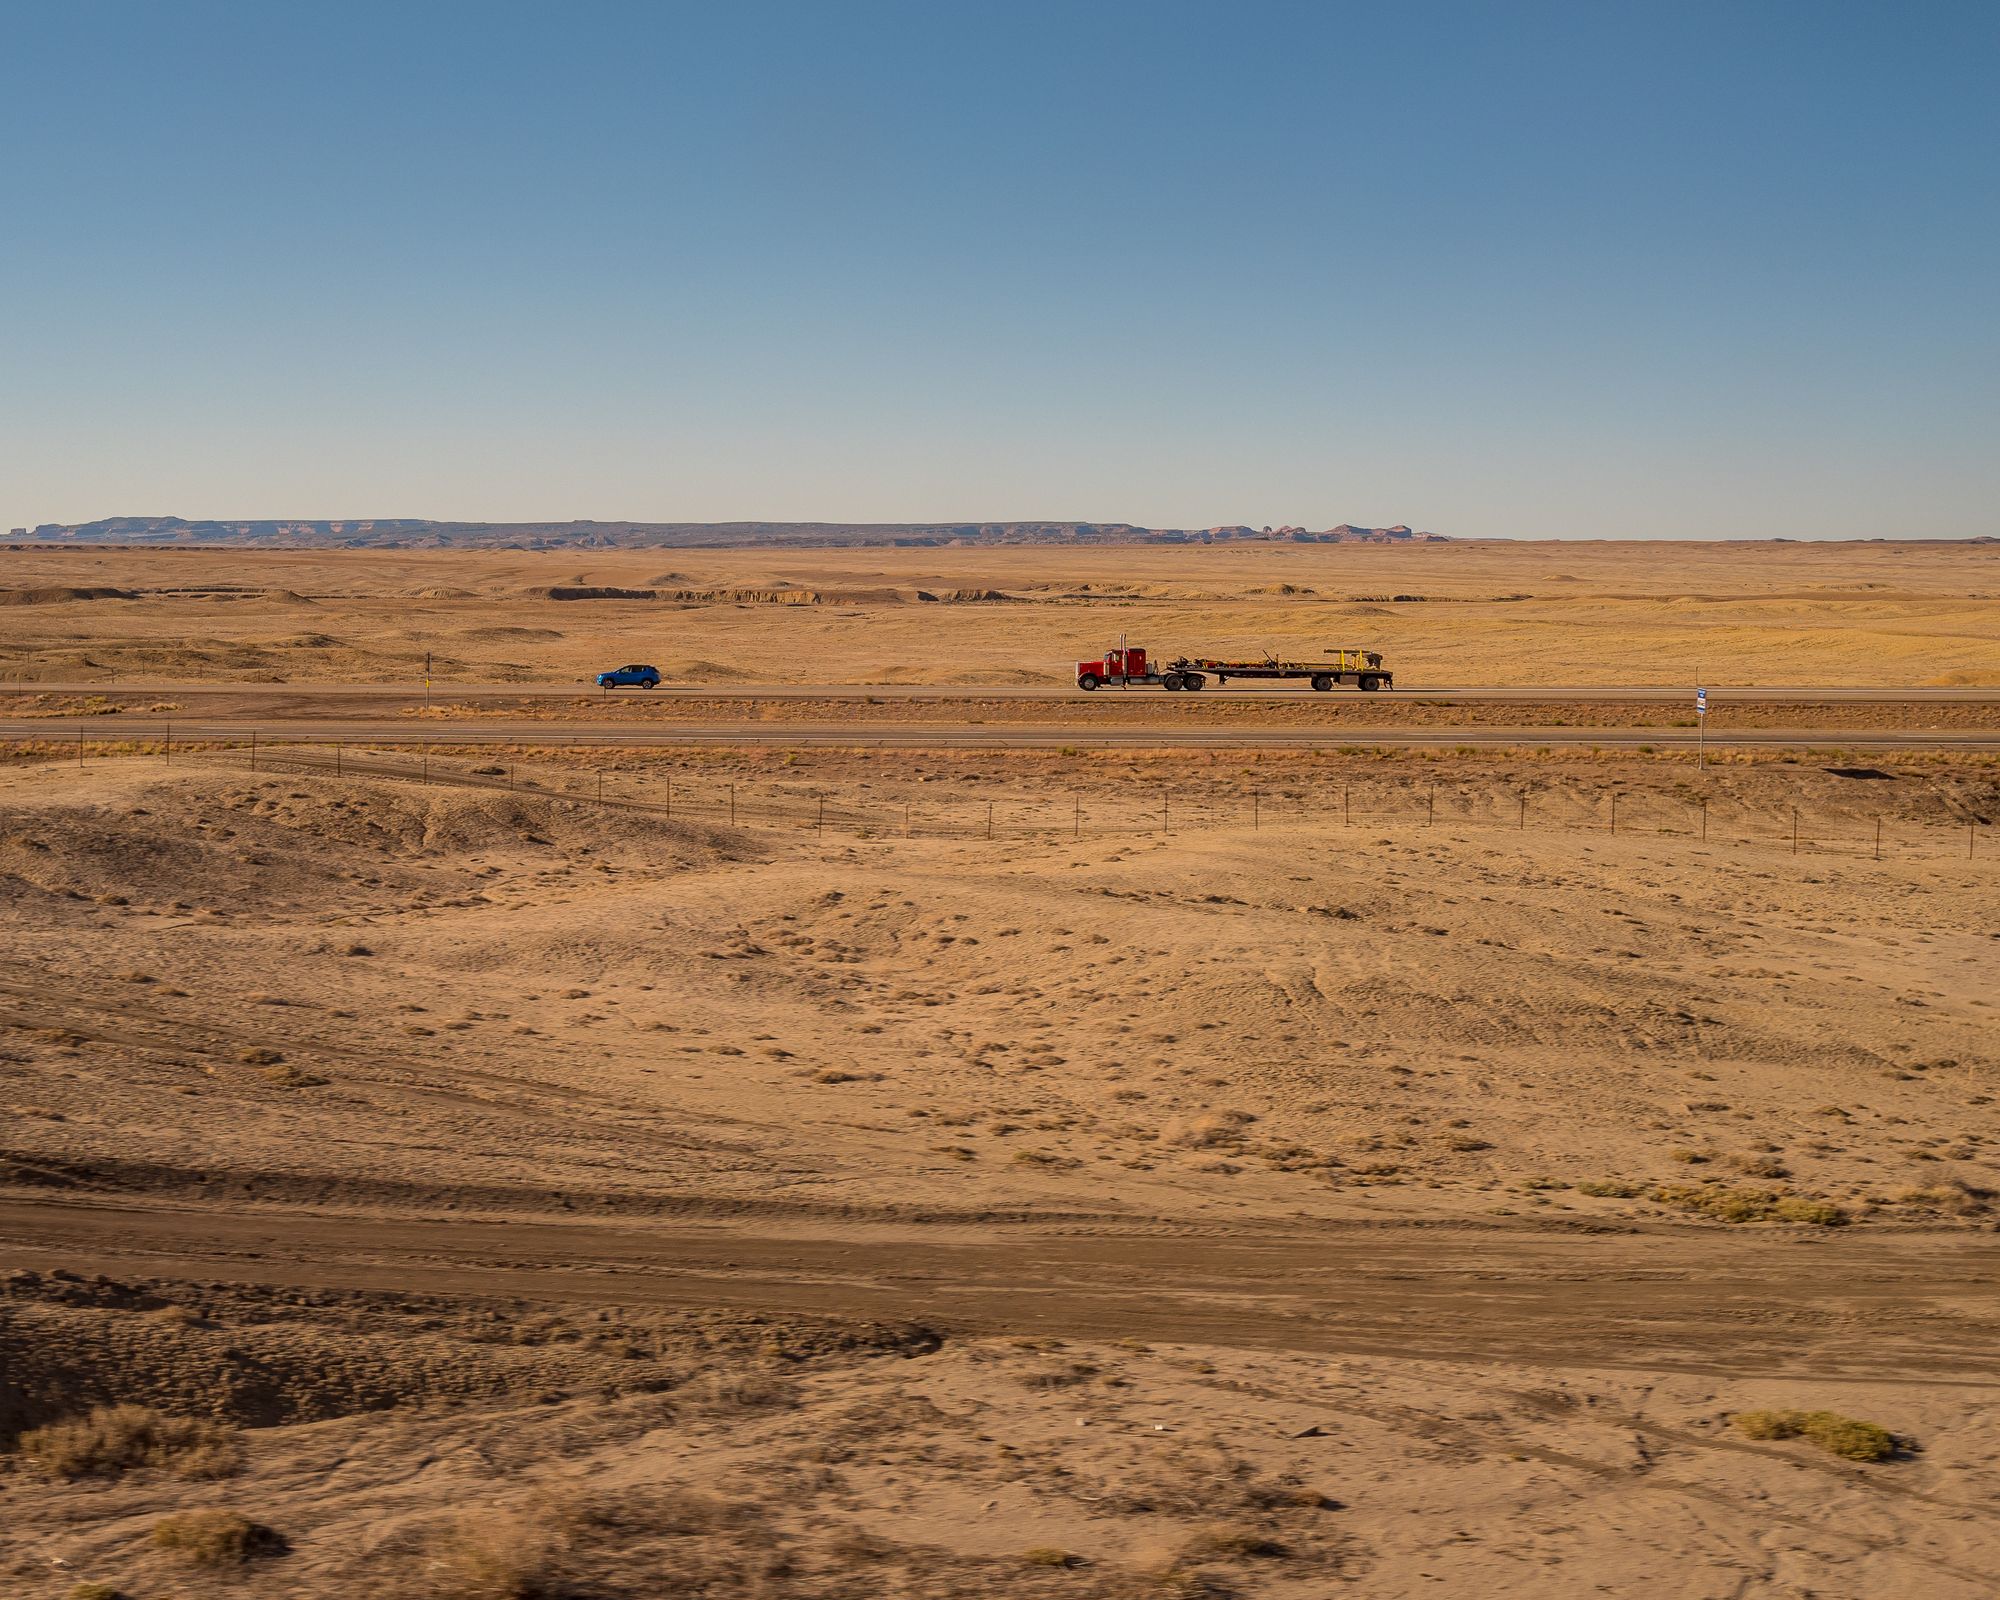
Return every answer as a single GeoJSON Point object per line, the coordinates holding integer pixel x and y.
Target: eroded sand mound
{"type": "Point", "coordinates": [216, 839]}
{"type": "Point", "coordinates": [264, 1357]}
{"type": "Point", "coordinates": [60, 594]}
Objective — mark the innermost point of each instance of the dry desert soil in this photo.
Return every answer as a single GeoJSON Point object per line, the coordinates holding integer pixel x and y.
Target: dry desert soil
{"type": "Point", "coordinates": [457, 1181]}
{"type": "Point", "coordinates": [1447, 614]}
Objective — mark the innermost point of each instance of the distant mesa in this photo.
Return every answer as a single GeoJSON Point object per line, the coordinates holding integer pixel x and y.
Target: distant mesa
{"type": "Point", "coordinates": [411, 533]}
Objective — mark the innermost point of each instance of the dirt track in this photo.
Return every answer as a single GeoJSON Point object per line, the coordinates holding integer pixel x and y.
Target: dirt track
{"type": "Point", "coordinates": [1917, 1306]}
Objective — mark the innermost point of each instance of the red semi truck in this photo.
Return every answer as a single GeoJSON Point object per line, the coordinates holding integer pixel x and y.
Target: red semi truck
{"type": "Point", "coordinates": [1125, 667]}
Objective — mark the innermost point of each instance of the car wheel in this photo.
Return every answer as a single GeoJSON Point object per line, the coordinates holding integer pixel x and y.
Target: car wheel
{"type": "Point", "coordinates": [1086, 680]}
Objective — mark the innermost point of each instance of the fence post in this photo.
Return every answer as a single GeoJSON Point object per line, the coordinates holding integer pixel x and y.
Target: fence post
{"type": "Point", "coordinates": [1704, 822]}
{"type": "Point", "coordinates": [1795, 830]}
{"type": "Point", "coordinates": [1878, 838]}
{"type": "Point", "coordinates": [426, 754]}
{"type": "Point", "coordinates": [1432, 817]}
{"type": "Point", "coordinates": [732, 805]}
{"type": "Point", "coordinates": [670, 797]}
{"type": "Point", "coordinates": [600, 788]}
{"type": "Point", "coordinates": [1256, 809]}
{"type": "Point", "coordinates": [1163, 814]}
{"type": "Point", "coordinates": [336, 758]}
{"type": "Point", "coordinates": [1614, 810]}
{"type": "Point", "coordinates": [906, 820]}
{"type": "Point", "coordinates": [1076, 821]}
{"type": "Point", "coordinates": [822, 816]}
{"type": "Point", "coordinates": [1346, 815]}
{"type": "Point", "coordinates": [1523, 827]}
{"type": "Point", "coordinates": [989, 820]}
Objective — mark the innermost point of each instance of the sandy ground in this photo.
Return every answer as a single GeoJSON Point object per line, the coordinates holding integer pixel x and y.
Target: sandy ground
{"type": "Point", "coordinates": [568, 1199]}
{"type": "Point", "coordinates": [1844, 614]}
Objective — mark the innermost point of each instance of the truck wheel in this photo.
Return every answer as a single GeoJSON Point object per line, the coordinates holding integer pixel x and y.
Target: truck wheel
{"type": "Point", "coordinates": [1086, 680]}
{"type": "Point", "coordinates": [1192, 680]}
{"type": "Point", "coordinates": [1369, 682]}
{"type": "Point", "coordinates": [1322, 682]}
{"type": "Point", "coordinates": [1173, 680]}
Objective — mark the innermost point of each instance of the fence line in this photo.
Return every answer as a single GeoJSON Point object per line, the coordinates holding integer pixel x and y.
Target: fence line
{"type": "Point", "coordinates": [1165, 812]}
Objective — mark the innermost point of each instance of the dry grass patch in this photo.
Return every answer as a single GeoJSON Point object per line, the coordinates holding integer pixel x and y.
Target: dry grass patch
{"type": "Point", "coordinates": [1725, 1204]}
{"type": "Point", "coordinates": [1063, 1377]}
{"type": "Point", "coordinates": [216, 1538]}
{"type": "Point", "coordinates": [111, 1440]}
{"type": "Point", "coordinates": [1842, 1436]}
{"type": "Point", "coordinates": [499, 1556]}
{"type": "Point", "coordinates": [1237, 1542]}
{"type": "Point", "coordinates": [724, 1393]}
{"type": "Point", "coordinates": [1952, 1197]}
{"type": "Point", "coordinates": [550, 1550]}
{"type": "Point", "coordinates": [290, 1077]}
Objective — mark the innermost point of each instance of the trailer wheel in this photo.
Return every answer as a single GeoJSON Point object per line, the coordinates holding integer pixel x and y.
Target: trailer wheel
{"type": "Point", "coordinates": [1192, 680]}
{"type": "Point", "coordinates": [1173, 680]}
{"type": "Point", "coordinates": [1322, 682]}
{"type": "Point", "coordinates": [1086, 680]}
{"type": "Point", "coordinates": [1370, 682]}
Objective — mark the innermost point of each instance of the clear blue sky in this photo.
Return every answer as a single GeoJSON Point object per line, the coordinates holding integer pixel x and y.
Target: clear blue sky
{"type": "Point", "coordinates": [1581, 269]}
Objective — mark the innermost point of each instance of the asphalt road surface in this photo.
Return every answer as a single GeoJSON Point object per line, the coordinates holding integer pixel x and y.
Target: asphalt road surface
{"type": "Point", "coordinates": [560, 732]}
{"type": "Point", "coordinates": [305, 693]}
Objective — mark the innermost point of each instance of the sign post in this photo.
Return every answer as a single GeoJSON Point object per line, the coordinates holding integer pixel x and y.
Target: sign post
{"type": "Point", "coordinates": [1701, 726]}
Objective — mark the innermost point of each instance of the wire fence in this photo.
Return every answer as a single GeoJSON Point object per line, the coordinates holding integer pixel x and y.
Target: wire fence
{"type": "Point", "coordinates": [980, 812]}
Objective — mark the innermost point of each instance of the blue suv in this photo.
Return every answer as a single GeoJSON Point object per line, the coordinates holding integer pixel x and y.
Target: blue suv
{"type": "Point", "coordinates": [629, 678]}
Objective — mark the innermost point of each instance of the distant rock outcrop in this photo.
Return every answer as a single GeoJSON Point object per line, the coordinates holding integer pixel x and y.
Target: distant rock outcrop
{"type": "Point", "coordinates": [411, 533]}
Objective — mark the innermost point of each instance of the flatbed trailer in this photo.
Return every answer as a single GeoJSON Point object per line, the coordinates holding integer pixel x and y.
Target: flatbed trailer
{"type": "Point", "coordinates": [1125, 668]}
{"type": "Point", "coordinates": [1362, 668]}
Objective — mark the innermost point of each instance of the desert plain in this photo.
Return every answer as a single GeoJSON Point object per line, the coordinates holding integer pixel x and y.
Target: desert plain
{"type": "Point", "coordinates": [792, 1168]}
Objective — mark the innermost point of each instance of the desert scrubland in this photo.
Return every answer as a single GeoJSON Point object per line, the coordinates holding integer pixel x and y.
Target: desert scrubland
{"type": "Point", "coordinates": [1750, 614]}
{"type": "Point", "coordinates": [475, 1190]}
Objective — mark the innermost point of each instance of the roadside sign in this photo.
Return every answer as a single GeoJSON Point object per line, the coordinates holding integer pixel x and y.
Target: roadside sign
{"type": "Point", "coordinates": [1701, 702]}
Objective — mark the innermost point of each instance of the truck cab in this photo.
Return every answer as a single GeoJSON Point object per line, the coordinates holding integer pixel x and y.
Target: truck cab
{"type": "Point", "coordinates": [1117, 666]}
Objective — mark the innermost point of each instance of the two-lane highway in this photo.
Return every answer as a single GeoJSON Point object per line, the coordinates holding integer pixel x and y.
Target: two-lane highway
{"type": "Point", "coordinates": [863, 733]}
{"type": "Point", "coordinates": [308, 693]}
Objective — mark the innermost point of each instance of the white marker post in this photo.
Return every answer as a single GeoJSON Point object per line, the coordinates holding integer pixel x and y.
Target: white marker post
{"type": "Point", "coordinates": [1701, 725]}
